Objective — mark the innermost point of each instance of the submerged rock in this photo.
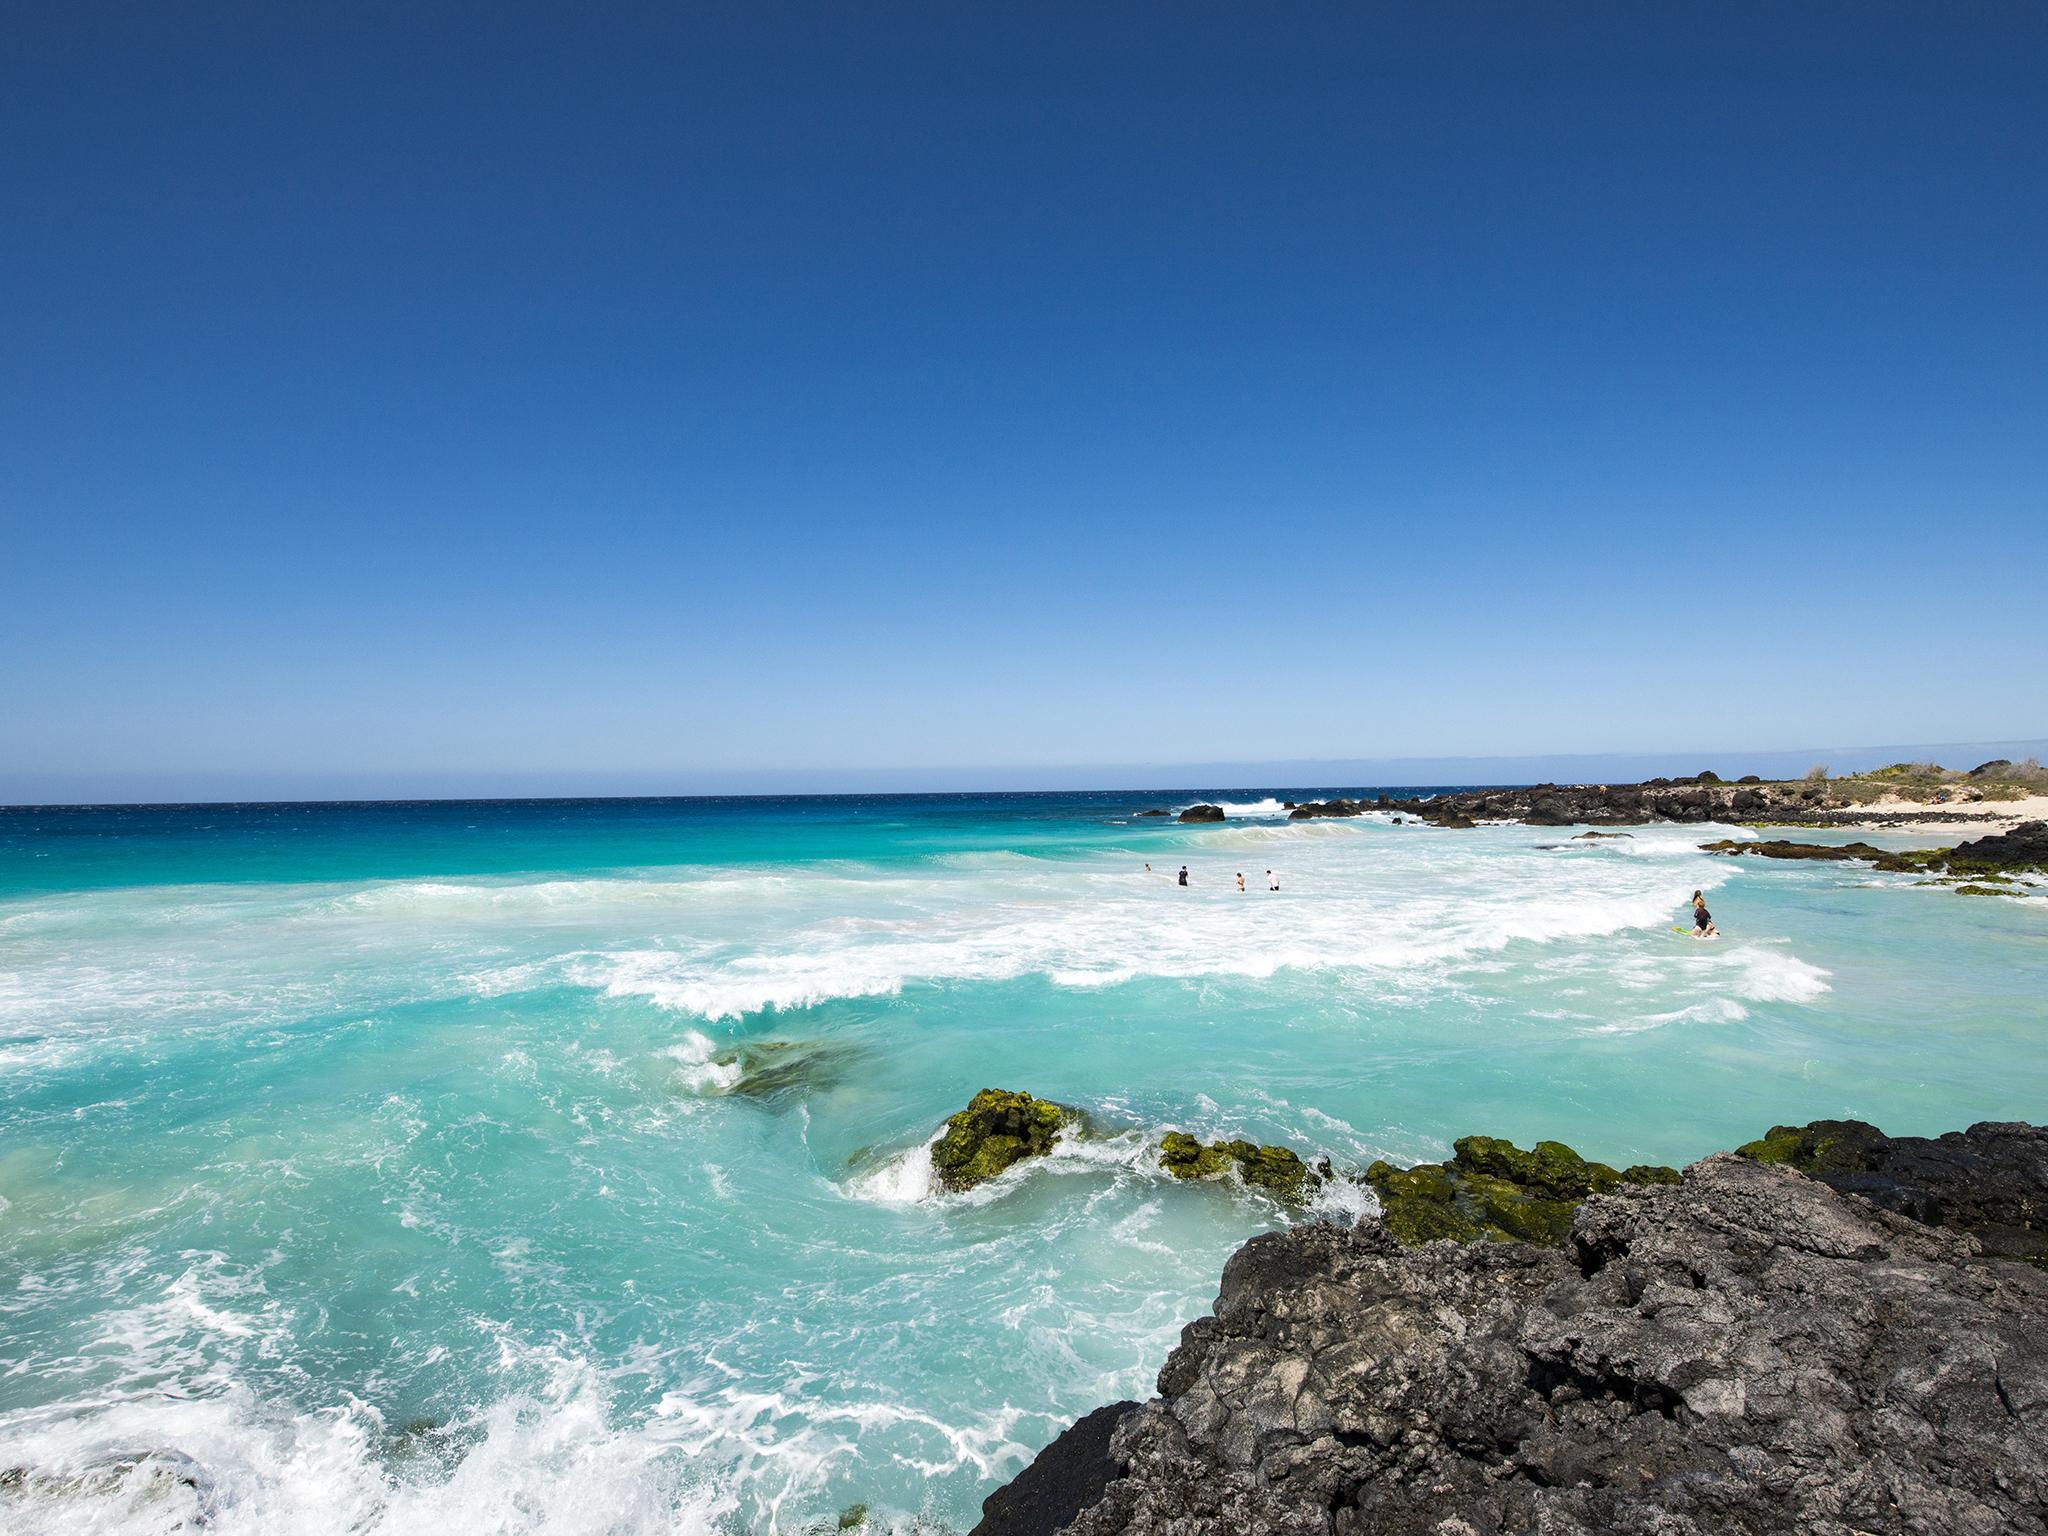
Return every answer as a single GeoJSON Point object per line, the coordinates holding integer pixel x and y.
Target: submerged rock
{"type": "Point", "coordinates": [996, 1130]}
{"type": "Point", "coordinates": [1745, 1352]}
{"type": "Point", "coordinates": [168, 1488]}
{"type": "Point", "coordinates": [770, 1069]}
{"type": "Point", "coordinates": [1990, 1181]}
{"type": "Point", "coordinates": [1493, 1190]}
{"type": "Point", "coordinates": [1597, 837]}
{"type": "Point", "coordinates": [1202, 813]}
{"type": "Point", "coordinates": [1277, 1170]}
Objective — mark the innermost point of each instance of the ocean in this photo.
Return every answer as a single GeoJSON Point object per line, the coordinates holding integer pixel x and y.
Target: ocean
{"type": "Point", "coordinates": [559, 1166]}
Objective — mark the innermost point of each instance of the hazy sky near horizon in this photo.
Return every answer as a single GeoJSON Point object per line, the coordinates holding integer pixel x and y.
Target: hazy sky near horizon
{"type": "Point", "coordinates": [439, 388]}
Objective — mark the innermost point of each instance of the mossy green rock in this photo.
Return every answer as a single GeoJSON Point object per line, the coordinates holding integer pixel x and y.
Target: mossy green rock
{"type": "Point", "coordinates": [997, 1129]}
{"type": "Point", "coordinates": [1276, 1170]}
{"type": "Point", "coordinates": [1493, 1190]}
{"type": "Point", "coordinates": [1825, 1146]}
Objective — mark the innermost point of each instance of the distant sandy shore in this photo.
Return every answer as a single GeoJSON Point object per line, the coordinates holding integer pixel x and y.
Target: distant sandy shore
{"type": "Point", "coordinates": [1973, 818]}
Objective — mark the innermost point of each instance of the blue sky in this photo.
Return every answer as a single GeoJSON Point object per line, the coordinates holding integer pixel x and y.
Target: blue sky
{"type": "Point", "coordinates": [684, 392]}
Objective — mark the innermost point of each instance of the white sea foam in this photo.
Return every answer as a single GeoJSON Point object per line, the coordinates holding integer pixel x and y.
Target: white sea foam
{"type": "Point", "coordinates": [550, 1461]}
{"type": "Point", "coordinates": [696, 1071]}
{"type": "Point", "coordinates": [1246, 809]}
{"type": "Point", "coordinates": [1361, 897]}
{"type": "Point", "coordinates": [1346, 903]}
{"type": "Point", "coordinates": [1343, 1202]}
{"type": "Point", "coordinates": [902, 1178]}
{"type": "Point", "coordinates": [1714, 1010]}
{"type": "Point", "coordinates": [1774, 976]}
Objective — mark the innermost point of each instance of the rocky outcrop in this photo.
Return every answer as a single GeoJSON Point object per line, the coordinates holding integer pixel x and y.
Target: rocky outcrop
{"type": "Point", "coordinates": [1990, 1181]}
{"type": "Point", "coordinates": [1062, 1480]}
{"type": "Point", "coordinates": [1747, 1351]}
{"type": "Point", "coordinates": [2024, 847]}
{"type": "Point", "coordinates": [1704, 797]}
{"type": "Point", "coordinates": [1493, 1190]}
{"type": "Point", "coordinates": [1278, 1171]}
{"type": "Point", "coordinates": [1309, 809]}
{"type": "Point", "coordinates": [1779, 848]}
{"type": "Point", "coordinates": [996, 1130]}
{"type": "Point", "coordinates": [1202, 813]}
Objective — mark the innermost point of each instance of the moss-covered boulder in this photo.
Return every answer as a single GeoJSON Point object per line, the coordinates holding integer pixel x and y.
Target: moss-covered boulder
{"type": "Point", "coordinates": [1823, 1147]}
{"type": "Point", "coordinates": [1494, 1190]}
{"type": "Point", "coordinates": [997, 1129]}
{"type": "Point", "coordinates": [1276, 1170]}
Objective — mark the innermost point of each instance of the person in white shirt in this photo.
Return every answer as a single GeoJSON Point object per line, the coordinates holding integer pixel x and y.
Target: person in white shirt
{"type": "Point", "coordinates": [1272, 881]}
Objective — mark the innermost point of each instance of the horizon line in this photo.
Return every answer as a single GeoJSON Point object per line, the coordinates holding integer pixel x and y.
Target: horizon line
{"type": "Point", "coordinates": [488, 786]}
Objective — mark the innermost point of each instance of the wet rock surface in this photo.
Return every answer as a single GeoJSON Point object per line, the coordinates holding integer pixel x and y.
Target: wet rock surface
{"type": "Point", "coordinates": [1311, 809]}
{"type": "Point", "coordinates": [1747, 1351]}
{"type": "Point", "coordinates": [996, 1130]}
{"type": "Point", "coordinates": [1279, 1171]}
{"type": "Point", "coordinates": [1064, 1479]}
{"type": "Point", "coordinates": [1202, 813]}
{"type": "Point", "coordinates": [1779, 848]}
{"type": "Point", "coordinates": [1986, 858]}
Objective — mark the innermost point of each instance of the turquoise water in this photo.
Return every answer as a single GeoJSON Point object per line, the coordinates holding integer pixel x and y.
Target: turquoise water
{"type": "Point", "coordinates": [379, 1168]}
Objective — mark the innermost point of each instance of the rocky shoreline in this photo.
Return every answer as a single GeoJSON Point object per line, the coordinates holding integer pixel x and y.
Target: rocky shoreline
{"type": "Point", "coordinates": [1828, 1331]}
{"type": "Point", "coordinates": [1906, 794]}
{"type": "Point", "coordinates": [1700, 798]}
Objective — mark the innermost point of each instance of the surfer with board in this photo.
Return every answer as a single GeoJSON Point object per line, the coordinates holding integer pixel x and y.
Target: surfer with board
{"type": "Point", "coordinates": [1702, 920]}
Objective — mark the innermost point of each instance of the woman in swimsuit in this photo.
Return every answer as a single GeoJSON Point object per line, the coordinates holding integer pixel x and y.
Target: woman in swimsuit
{"type": "Point", "coordinates": [1702, 920]}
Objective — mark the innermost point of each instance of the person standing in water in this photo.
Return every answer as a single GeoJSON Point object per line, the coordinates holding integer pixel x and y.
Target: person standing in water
{"type": "Point", "coordinates": [1240, 882]}
{"type": "Point", "coordinates": [1702, 920]}
{"type": "Point", "coordinates": [1183, 874]}
{"type": "Point", "coordinates": [1272, 881]}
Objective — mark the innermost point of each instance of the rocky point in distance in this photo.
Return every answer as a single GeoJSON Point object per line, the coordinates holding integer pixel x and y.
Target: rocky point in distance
{"type": "Point", "coordinates": [1903, 792]}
